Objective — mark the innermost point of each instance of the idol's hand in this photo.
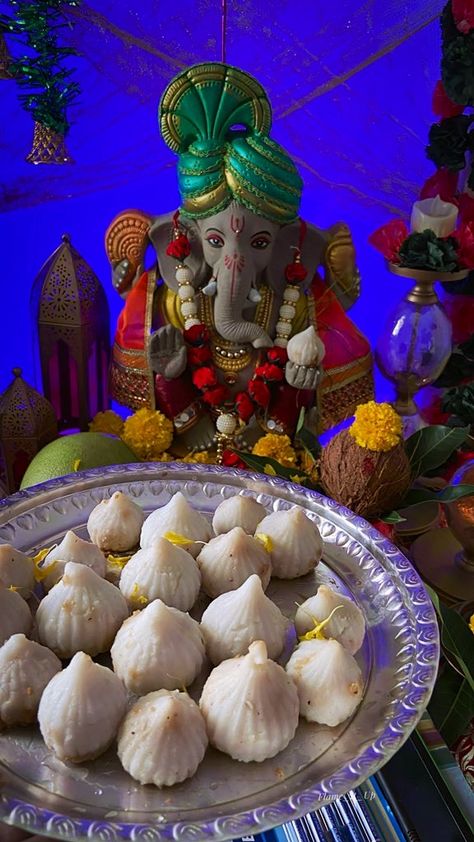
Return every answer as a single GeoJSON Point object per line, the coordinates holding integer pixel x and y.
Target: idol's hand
{"type": "Point", "coordinates": [201, 436]}
{"type": "Point", "coordinates": [168, 352]}
{"type": "Point", "coordinates": [302, 376]}
{"type": "Point", "coordinates": [122, 276]}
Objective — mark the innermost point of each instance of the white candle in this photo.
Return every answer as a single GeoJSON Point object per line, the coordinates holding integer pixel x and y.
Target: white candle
{"type": "Point", "coordinates": [438, 216]}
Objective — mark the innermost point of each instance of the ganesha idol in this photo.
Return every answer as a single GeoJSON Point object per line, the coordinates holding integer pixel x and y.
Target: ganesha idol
{"type": "Point", "coordinates": [241, 318]}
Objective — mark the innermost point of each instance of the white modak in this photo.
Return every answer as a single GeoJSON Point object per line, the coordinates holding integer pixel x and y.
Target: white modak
{"type": "Point", "coordinates": [71, 548]}
{"type": "Point", "coordinates": [236, 619]}
{"type": "Point", "coordinates": [161, 571]}
{"type": "Point", "coordinates": [229, 559]}
{"type": "Point", "coordinates": [238, 704]}
{"type": "Point", "coordinates": [159, 647]}
{"type": "Point", "coordinates": [115, 524]}
{"type": "Point", "coordinates": [163, 738]}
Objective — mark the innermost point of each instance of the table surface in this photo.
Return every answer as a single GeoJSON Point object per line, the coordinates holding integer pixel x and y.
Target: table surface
{"type": "Point", "coordinates": [420, 795]}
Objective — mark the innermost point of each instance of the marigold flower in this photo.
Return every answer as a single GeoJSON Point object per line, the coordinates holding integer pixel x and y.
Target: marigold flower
{"type": "Point", "coordinates": [148, 433]}
{"type": "Point", "coordinates": [376, 427]}
{"type": "Point", "coordinates": [201, 457]}
{"type": "Point", "coordinates": [278, 447]}
{"type": "Point", "coordinates": [107, 422]}
{"type": "Point", "coordinates": [471, 623]}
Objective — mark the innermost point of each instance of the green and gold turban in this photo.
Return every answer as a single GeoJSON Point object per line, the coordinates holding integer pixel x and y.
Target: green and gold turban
{"type": "Point", "coordinates": [217, 119]}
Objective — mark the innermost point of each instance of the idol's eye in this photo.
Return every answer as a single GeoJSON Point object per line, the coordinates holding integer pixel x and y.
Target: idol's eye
{"type": "Point", "coordinates": [215, 241]}
{"type": "Point", "coordinates": [260, 243]}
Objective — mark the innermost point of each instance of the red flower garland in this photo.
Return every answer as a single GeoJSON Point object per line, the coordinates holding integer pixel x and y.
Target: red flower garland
{"type": "Point", "coordinates": [204, 375]}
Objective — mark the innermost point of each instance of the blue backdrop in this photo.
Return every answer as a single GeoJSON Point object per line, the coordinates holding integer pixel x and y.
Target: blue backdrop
{"type": "Point", "coordinates": [350, 84]}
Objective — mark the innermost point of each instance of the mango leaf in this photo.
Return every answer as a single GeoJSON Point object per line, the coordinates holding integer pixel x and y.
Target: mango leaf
{"type": "Point", "coordinates": [456, 637]}
{"type": "Point", "coordinates": [432, 446]}
{"type": "Point", "coordinates": [392, 517]}
{"type": "Point", "coordinates": [452, 705]}
{"type": "Point", "coordinates": [426, 495]}
{"type": "Point", "coordinates": [266, 465]}
{"type": "Point", "coordinates": [309, 443]}
{"type": "Point", "coordinates": [301, 418]}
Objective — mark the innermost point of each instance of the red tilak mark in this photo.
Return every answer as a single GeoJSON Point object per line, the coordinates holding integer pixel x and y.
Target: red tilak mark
{"type": "Point", "coordinates": [237, 224]}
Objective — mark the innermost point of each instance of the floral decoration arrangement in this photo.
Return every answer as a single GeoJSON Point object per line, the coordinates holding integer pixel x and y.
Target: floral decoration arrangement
{"type": "Point", "coordinates": [451, 141]}
{"type": "Point", "coordinates": [425, 249]}
{"type": "Point", "coordinates": [452, 137]}
{"type": "Point", "coordinates": [149, 434]}
{"type": "Point", "coordinates": [367, 467]}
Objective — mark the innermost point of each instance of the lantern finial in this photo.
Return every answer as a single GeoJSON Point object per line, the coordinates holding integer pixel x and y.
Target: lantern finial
{"type": "Point", "coordinates": [16, 372]}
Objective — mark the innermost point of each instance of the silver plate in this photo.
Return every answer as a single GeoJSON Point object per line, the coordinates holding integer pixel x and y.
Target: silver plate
{"type": "Point", "coordinates": [227, 799]}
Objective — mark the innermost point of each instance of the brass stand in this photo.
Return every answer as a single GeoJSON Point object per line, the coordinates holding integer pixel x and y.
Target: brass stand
{"type": "Point", "coordinates": [445, 557]}
{"type": "Point", "coordinates": [439, 557]}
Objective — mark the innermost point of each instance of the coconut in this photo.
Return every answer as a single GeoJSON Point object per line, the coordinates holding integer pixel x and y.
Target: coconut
{"type": "Point", "coordinates": [367, 481]}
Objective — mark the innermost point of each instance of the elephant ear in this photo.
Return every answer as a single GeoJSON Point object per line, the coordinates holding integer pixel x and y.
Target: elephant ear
{"type": "Point", "coordinates": [312, 254]}
{"type": "Point", "coordinates": [161, 234]}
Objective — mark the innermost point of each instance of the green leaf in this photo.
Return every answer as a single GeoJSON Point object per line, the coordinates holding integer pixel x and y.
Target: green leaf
{"type": "Point", "coordinates": [456, 637]}
{"type": "Point", "coordinates": [426, 495]}
{"type": "Point", "coordinates": [451, 706]}
{"type": "Point", "coordinates": [261, 464]}
{"type": "Point", "coordinates": [301, 418]}
{"type": "Point", "coordinates": [309, 443]}
{"type": "Point", "coordinates": [432, 446]}
{"type": "Point", "coordinates": [393, 517]}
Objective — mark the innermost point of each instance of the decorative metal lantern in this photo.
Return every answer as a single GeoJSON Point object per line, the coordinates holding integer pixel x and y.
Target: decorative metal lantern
{"type": "Point", "coordinates": [72, 314]}
{"type": "Point", "coordinates": [27, 423]}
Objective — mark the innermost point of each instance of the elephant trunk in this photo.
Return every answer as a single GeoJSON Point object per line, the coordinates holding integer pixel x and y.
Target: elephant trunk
{"type": "Point", "coordinates": [229, 304]}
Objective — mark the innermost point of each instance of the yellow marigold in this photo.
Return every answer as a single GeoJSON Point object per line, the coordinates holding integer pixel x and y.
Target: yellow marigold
{"type": "Point", "coordinates": [107, 422]}
{"type": "Point", "coordinates": [376, 427]}
{"type": "Point", "coordinates": [309, 465]}
{"type": "Point", "coordinates": [278, 447]}
{"type": "Point", "coordinates": [202, 457]}
{"type": "Point", "coordinates": [165, 457]}
{"type": "Point", "coordinates": [471, 623]}
{"type": "Point", "coordinates": [148, 433]}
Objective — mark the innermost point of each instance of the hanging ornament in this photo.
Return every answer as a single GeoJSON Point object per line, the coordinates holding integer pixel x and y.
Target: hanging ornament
{"type": "Point", "coordinates": [49, 147]}
{"type": "Point", "coordinates": [35, 24]}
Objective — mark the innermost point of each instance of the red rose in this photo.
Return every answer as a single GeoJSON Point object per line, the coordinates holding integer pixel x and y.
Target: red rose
{"type": "Point", "coordinates": [269, 372]}
{"type": "Point", "coordinates": [295, 273]}
{"type": "Point", "coordinates": [259, 391]}
{"type": "Point", "coordinates": [277, 355]}
{"type": "Point", "coordinates": [244, 406]}
{"type": "Point", "coordinates": [443, 184]}
{"type": "Point", "coordinates": [465, 204]}
{"type": "Point", "coordinates": [216, 396]}
{"type": "Point", "coordinates": [179, 248]}
{"type": "Point", "coordinates": [443, 106]}
{"type": "Point", "coordinates": [465, 237]}
{"type": "Point", "coordinates": [231, 460]}
{"type": "Point", "coordinates": [196, 335]}
{"type": "Point", "coordinates": [204, 377]}
{"type": "Point", "coordinates": [463, 14]}
{"type": "Point", "coordinates": [198, 356]}
{"type": "Point", "coordinates": [388, 239]}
